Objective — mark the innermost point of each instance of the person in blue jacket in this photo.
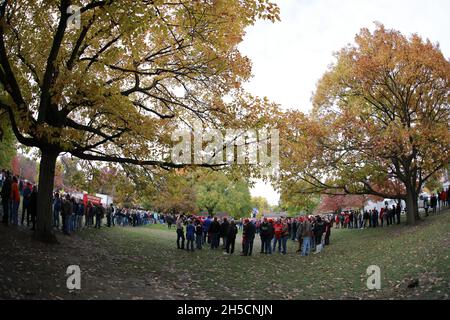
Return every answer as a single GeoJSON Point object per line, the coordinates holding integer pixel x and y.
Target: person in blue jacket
{"type": "Point", "coordinates": [206, 229]}
{"type": "Point", "coordinates": [190, 236]}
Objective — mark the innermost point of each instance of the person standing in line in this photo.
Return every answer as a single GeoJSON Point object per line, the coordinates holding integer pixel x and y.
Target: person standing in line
{"type": "Point", "coordinates": [66, 213]}
{"type": "Point", "coordinates": [108, 215]}
{"type": "Point", "coordinates": [21, 186]}
{"type": "Point", "coordinates": [448, 196]}
{"type": "Point", "coordinates": [374, 218]}
{"type": "Point", "coordinates": [306, 235]}
{"type": "Point", "coordinates": [26, 193]}
{"type": "Point", "coordinates": [190, 236]}
{"type": "Point", "coordinates": [80, 214]}
{"type": "Point", "coordinates": [198, 234]}
{"type": "Point", "coordinates": [214, 230]}
{"type": "Point", "coordinates": [426, 205]}
{"type": "Point", "coordinates": [251, 235]}
{"type": "Point", "coordinates": [278, 228]}
{"type": "Point", "coordinates": [318, 231]}
{"type": "Point", "coordinates": [224, 231]}
{"type": "Point", "coordinates": [32, 207]}
{"type": "Point", "coordinates": [381, 217]}
{"type": "Point", "coordinates": [264, 233]}
{"type": "Point", "coordinates": [328, 227]}
{"type": "Point", "coordinates": [206, 235]}
{"type": "Point", "coordinates": [180, 233]}
{"type": "Point", "coordinates": [15, 200]}
{"type": "Point", "coordinates": [391, 213]}
{"type": "Point", "coordinates": [293, 230]}
{"type": "Point", "coordinates": [299, 235]}
{"type": "Point", "coordinates": [231, 238]}
{"type": "Point", "coordinates": [6, 197]}
{"type": "Point", "coordinates": [95, 213]}
{"type": "Point", "coordinates": [57, 206]}
{"type": "Point", "coordinates": [398, 211]}
{"type": "Point", "coordinates": [433, 202]}
{"type": "Point", "coordinates": [246, 238]}
{"type": "Point", "coordinates": [284, 236]}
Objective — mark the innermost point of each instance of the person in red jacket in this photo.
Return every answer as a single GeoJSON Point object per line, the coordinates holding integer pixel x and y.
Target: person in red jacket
{"type": "Point", "coordinates": [278, 230]}
{"type": "Point", "coordinates": [15, 200]}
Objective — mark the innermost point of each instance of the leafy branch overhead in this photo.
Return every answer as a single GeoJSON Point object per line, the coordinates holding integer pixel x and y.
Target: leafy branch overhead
{"type": "Point", "coordinates": [115, 87]}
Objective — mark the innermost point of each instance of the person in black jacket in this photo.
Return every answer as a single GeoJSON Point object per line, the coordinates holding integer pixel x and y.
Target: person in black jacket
{"type": "Point", "coordinates": [32, 206]}
{"type": "Point", "coordinates": [224, 231]}
{"type": "Point", "coordinates": [214, 230]}
{"type": "Point", "coordinates": [318, 230]}
{"type": "Point", "coordinates": [198, 234]}
{"type": "Point", "coordinates": [265, 234]}
{"type": "Point", "coordinates": [398, 211]}
{"type": "Point", "coordinates": [6, 197]}
{"type": "Point", "coordinates": [231, 238]}
{"type": "Point", "coordinates": [249, 236]}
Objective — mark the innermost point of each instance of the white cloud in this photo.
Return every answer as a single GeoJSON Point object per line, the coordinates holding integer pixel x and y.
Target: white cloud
{"type": "Point", "coordinates": [290, 56]}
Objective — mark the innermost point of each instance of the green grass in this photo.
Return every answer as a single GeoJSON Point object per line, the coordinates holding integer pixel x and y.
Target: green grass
{"type": "Point", "coordinates": [403, 253]}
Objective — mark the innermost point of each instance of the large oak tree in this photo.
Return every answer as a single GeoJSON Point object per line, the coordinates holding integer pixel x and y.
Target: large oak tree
{"type": "Point", "coordinates": [114, 88]}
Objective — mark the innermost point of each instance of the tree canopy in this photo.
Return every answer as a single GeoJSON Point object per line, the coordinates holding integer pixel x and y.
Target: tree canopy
{"type": "Point", "coordinates": [7, 143]}
{"type": "Point", "coordinates": [380, 122]}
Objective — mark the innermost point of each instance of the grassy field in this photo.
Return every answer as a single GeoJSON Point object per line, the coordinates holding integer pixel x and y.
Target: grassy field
{"type": "Point", "coordinates": [144, 263]}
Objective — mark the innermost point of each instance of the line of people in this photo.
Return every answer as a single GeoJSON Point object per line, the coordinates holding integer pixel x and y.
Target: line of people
{"type": "Point", "coordinates": [355, 219]}
{"type": "Point", "coordinates": [12, 190]}
{"type": "Point", "coordinates": [312, 233]}
{"type": "Point", "coordinates": [68, 213]}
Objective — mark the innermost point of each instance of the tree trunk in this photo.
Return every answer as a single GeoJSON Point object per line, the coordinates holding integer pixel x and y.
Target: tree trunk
{"type": "Point", "coordinates": [412, 209]}
{"type": "Point", "coordinates": [44, 224]}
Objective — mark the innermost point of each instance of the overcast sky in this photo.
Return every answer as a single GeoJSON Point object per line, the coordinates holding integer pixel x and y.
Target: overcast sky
{"type": "Point", "coordinates": [290, 56]}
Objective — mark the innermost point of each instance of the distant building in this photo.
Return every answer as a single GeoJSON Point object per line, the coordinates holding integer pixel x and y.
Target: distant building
{"type": "Point", "coordinates": [276, 215]}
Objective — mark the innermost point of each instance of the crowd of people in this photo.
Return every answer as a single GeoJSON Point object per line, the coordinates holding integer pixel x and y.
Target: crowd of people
{"type": "Point", "coordinates": [12, 190]}
{"type": "Point", "coordinates": [69, 212]}
{"type": "Point", "coordinates": [73, 214]}
{"type": "Point", "coordinates": [311, 233]}
{"type": "Point", "coordinates": [439, 200]}
{"type": "Point", "coordinates": [388, 215]}
{"type": "Point", "coordinates": [355, 219]}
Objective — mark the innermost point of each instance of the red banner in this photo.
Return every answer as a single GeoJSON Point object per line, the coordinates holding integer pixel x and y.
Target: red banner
{"type": "Point", "coordinates": [92, 199]}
